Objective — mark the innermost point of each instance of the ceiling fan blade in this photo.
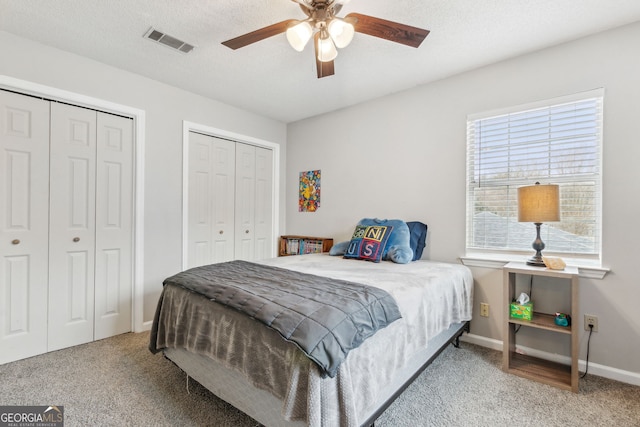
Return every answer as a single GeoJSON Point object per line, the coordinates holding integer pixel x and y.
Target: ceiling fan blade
{"type": "Point", "coordinates": [325, 68]}
{"type": "Point", "coordinates": [389, 30]}
{"type": "Point", "coordinates": [256, 36]}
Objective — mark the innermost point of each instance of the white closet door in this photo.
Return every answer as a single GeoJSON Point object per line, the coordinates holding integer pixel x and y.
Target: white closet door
{"type": "Point", "coordinates": [199, 245]}
{"type": "Point", "coordinates": [245, 201]}
{"type": "Point", "coordinates": [24, 198]}
{"type": "Point", "coordinates": [72, 226]}
{"type": "Point", "coordinates": [211, 200]}
{"type": "Point", "coordinates": [264, 204]}
{"type": "Point", "coordinates": [224, 170]}
{"type": "Point", "coordinates": [114, 216]}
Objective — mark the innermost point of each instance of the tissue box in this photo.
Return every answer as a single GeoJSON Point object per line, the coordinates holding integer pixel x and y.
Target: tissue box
{"type": "Point", "coordinates": [521, 311]}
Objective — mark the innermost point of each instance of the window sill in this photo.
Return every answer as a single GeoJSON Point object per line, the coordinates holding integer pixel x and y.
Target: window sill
{"type": "Point", "coordinates": [488, 261]}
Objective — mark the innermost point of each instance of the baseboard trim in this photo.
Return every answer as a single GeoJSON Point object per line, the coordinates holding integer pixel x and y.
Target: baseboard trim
{"type": "Point", "coordinates": [146, 326]}
{"type": "Point", "coordinates": [594, 368]}
{"type": "Point", "coordinates": [482, 341]}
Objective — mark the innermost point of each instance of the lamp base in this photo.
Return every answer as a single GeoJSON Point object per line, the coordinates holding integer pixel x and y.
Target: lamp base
{"type": "Point", "coordinates": [538, 245]}
{"type": "Point", "coordinates": [536, 261]}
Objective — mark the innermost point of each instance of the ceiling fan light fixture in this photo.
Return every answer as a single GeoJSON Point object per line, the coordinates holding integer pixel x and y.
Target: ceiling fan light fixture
{"type": "Point", "coordinates": [299, 34]}
{"type": "Point", "coordinates": [326, 49]}
{"type": "Point", "coordinates": [330, 32]}
{"type": "Point", "coordinates": [341, 32]}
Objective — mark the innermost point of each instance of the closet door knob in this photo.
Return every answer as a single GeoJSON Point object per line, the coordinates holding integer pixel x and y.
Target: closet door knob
{"type": "Point", "coordinates": [221, 232]}
{"type": "Point", "coordinates": [246, 231]}
{"type": "Point", "coordinates": [76, 239]}
{"type": "Point", "coordinates": [15, 242]}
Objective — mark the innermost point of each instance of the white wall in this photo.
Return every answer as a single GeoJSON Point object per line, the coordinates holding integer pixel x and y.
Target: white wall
{"type": "Point", "coordinates": [403, 156]}
{"type": "Point", "coordinates": [165, 107]}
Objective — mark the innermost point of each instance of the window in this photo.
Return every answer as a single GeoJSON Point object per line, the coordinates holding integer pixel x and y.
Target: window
{"type": "Point", "coordinates": [553, 142]}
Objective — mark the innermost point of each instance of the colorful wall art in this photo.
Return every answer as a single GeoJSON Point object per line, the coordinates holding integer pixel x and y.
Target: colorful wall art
{"type": "Point", "coordinates": [309, 200]}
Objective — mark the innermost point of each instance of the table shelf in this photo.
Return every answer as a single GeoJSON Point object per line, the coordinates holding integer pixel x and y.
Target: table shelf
{"type": "Point", "coordinates": [542, 321]}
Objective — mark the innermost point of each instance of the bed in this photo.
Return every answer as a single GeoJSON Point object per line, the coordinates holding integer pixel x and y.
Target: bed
{"type": "Point", "coordinates": [253, 368]}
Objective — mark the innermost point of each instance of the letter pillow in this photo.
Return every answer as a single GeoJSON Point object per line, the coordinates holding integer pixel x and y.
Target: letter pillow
{"type": "Point", "coordinates": [368, 242]}
{"type": "Point", "coordinates": [398, 248]}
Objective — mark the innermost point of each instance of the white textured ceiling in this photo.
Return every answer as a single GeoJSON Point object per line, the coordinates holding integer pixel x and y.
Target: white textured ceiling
{"type": "Point", "coordinates": [272, 79]}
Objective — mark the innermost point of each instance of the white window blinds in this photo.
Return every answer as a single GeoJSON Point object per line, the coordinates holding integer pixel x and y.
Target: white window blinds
{"type": "Point", "coordinates": [553, 142]}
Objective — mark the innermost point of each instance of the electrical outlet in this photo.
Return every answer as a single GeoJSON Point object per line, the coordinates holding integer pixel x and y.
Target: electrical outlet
{"type": "Point", "coordinates": [590, 319]}
{"type": "Point", "coordinates": [484, 309]}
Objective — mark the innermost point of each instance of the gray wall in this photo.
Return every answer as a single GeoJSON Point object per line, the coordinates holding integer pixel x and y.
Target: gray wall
{"type": "Point", "coordinates": [403, 156]}
{"type": "Point", "coordinates": [165, 107]}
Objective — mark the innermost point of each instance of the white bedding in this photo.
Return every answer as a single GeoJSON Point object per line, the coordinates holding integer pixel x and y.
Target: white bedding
{"type": "Point", "coordinates": [431, 296]}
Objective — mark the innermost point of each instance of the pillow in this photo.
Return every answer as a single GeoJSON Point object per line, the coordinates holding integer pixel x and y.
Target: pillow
{"type": "Point", "coordinates": [339, 248]}
{"type": "Point", "coordinates": [418, 236]}
{"type": "Point", "coordinates": [368, 242]}
{"type": "Point", "coordinates": [398, 247]}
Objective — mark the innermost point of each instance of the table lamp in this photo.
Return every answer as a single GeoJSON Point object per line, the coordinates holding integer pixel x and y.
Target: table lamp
{"type": "Point", "coordinates": [538, 203]}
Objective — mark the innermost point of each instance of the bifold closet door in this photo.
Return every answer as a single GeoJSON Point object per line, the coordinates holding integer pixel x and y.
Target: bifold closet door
{"type": "Point", "coordinates": [254, 202]}
{"type": "Point", "coordinates": [230, 201]}
{"type": "Point", "coordinates": [90, 242]}
{"type": "Point", "coordinates": [24, 199]}
{"type": "Point", "coordinates": [211, 196]}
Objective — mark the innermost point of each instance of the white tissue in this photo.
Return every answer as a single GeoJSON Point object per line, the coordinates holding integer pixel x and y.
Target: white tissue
{"type": "Point", "coordinates": [523, 299]}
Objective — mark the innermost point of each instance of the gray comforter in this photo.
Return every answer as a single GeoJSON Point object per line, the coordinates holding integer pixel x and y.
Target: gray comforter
{"type": "Point", "coordinates": [324, 317]}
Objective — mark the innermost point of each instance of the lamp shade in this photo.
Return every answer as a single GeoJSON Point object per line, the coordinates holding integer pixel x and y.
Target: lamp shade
{"type": "Point", "coordinates": [326, 50]}
{"type": "Point", "coordinates": [341, 32]}
{"type": "Point", "coordinates": [539, 203]}
{"type": "Point", "coordinates": [299, 34]}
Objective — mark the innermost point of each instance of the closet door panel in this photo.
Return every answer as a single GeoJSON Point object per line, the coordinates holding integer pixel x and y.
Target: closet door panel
{"type": "Point", "coordinates": [224, 167]}
{"type": "Point", "coordinates": [264, 204]}
{"type": "Point", "coordinates": [24, 198]}
{"type": "Point", "coordinates": [245, 201]}
{"type": "Point", "coordinates": [72, 226]}
{"type": "Point", "coordinates": [114, 225]}
{"type": "Point", "coordinates": [200, 221]}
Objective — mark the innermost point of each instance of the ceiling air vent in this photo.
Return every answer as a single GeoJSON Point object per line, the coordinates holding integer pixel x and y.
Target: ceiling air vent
{"type": "Point", "coordinates": [167, 40]}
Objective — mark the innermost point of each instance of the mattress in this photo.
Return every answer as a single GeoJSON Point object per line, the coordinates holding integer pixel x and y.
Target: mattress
{"type": "Point", "coordinates": [431, 296]}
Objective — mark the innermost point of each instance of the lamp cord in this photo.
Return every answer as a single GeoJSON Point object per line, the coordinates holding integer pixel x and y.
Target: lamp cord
{"type": "Point", "coordinates": [586, 369]}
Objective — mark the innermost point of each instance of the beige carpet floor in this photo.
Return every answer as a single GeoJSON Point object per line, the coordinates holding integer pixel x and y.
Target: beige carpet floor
{"type": "Point", "coordinates": [118, 382]}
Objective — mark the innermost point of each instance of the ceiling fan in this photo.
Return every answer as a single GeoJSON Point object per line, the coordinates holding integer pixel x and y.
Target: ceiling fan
{"type": "Point", "coordinates": [330, 31]}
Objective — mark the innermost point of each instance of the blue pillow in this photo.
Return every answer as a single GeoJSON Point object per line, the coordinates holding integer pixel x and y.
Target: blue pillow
{"type": "Point", "coordinates": [339, 248]}
{"type": "Point", "coordinates": [368, 242]}
{"type": "Point", "coordinates": [398, 247]}
{"type": "Point", "coordinates": [418, 236]}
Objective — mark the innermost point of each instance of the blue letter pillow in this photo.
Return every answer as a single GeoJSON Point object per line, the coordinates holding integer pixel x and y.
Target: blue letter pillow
{"type": "Point", "coordinates": [368, 242]}
{"type": "Point", "coordinates": [397, 249]}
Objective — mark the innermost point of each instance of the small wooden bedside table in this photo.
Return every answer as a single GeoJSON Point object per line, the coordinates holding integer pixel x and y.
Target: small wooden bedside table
{"type": "Point", "coordinates": [544, 371]}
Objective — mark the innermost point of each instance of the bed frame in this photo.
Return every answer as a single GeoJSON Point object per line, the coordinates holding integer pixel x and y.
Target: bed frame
{"type": "Point", "coordinates": [450, 336]}
{"type": "Point", "coordinates": [265, 408]}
